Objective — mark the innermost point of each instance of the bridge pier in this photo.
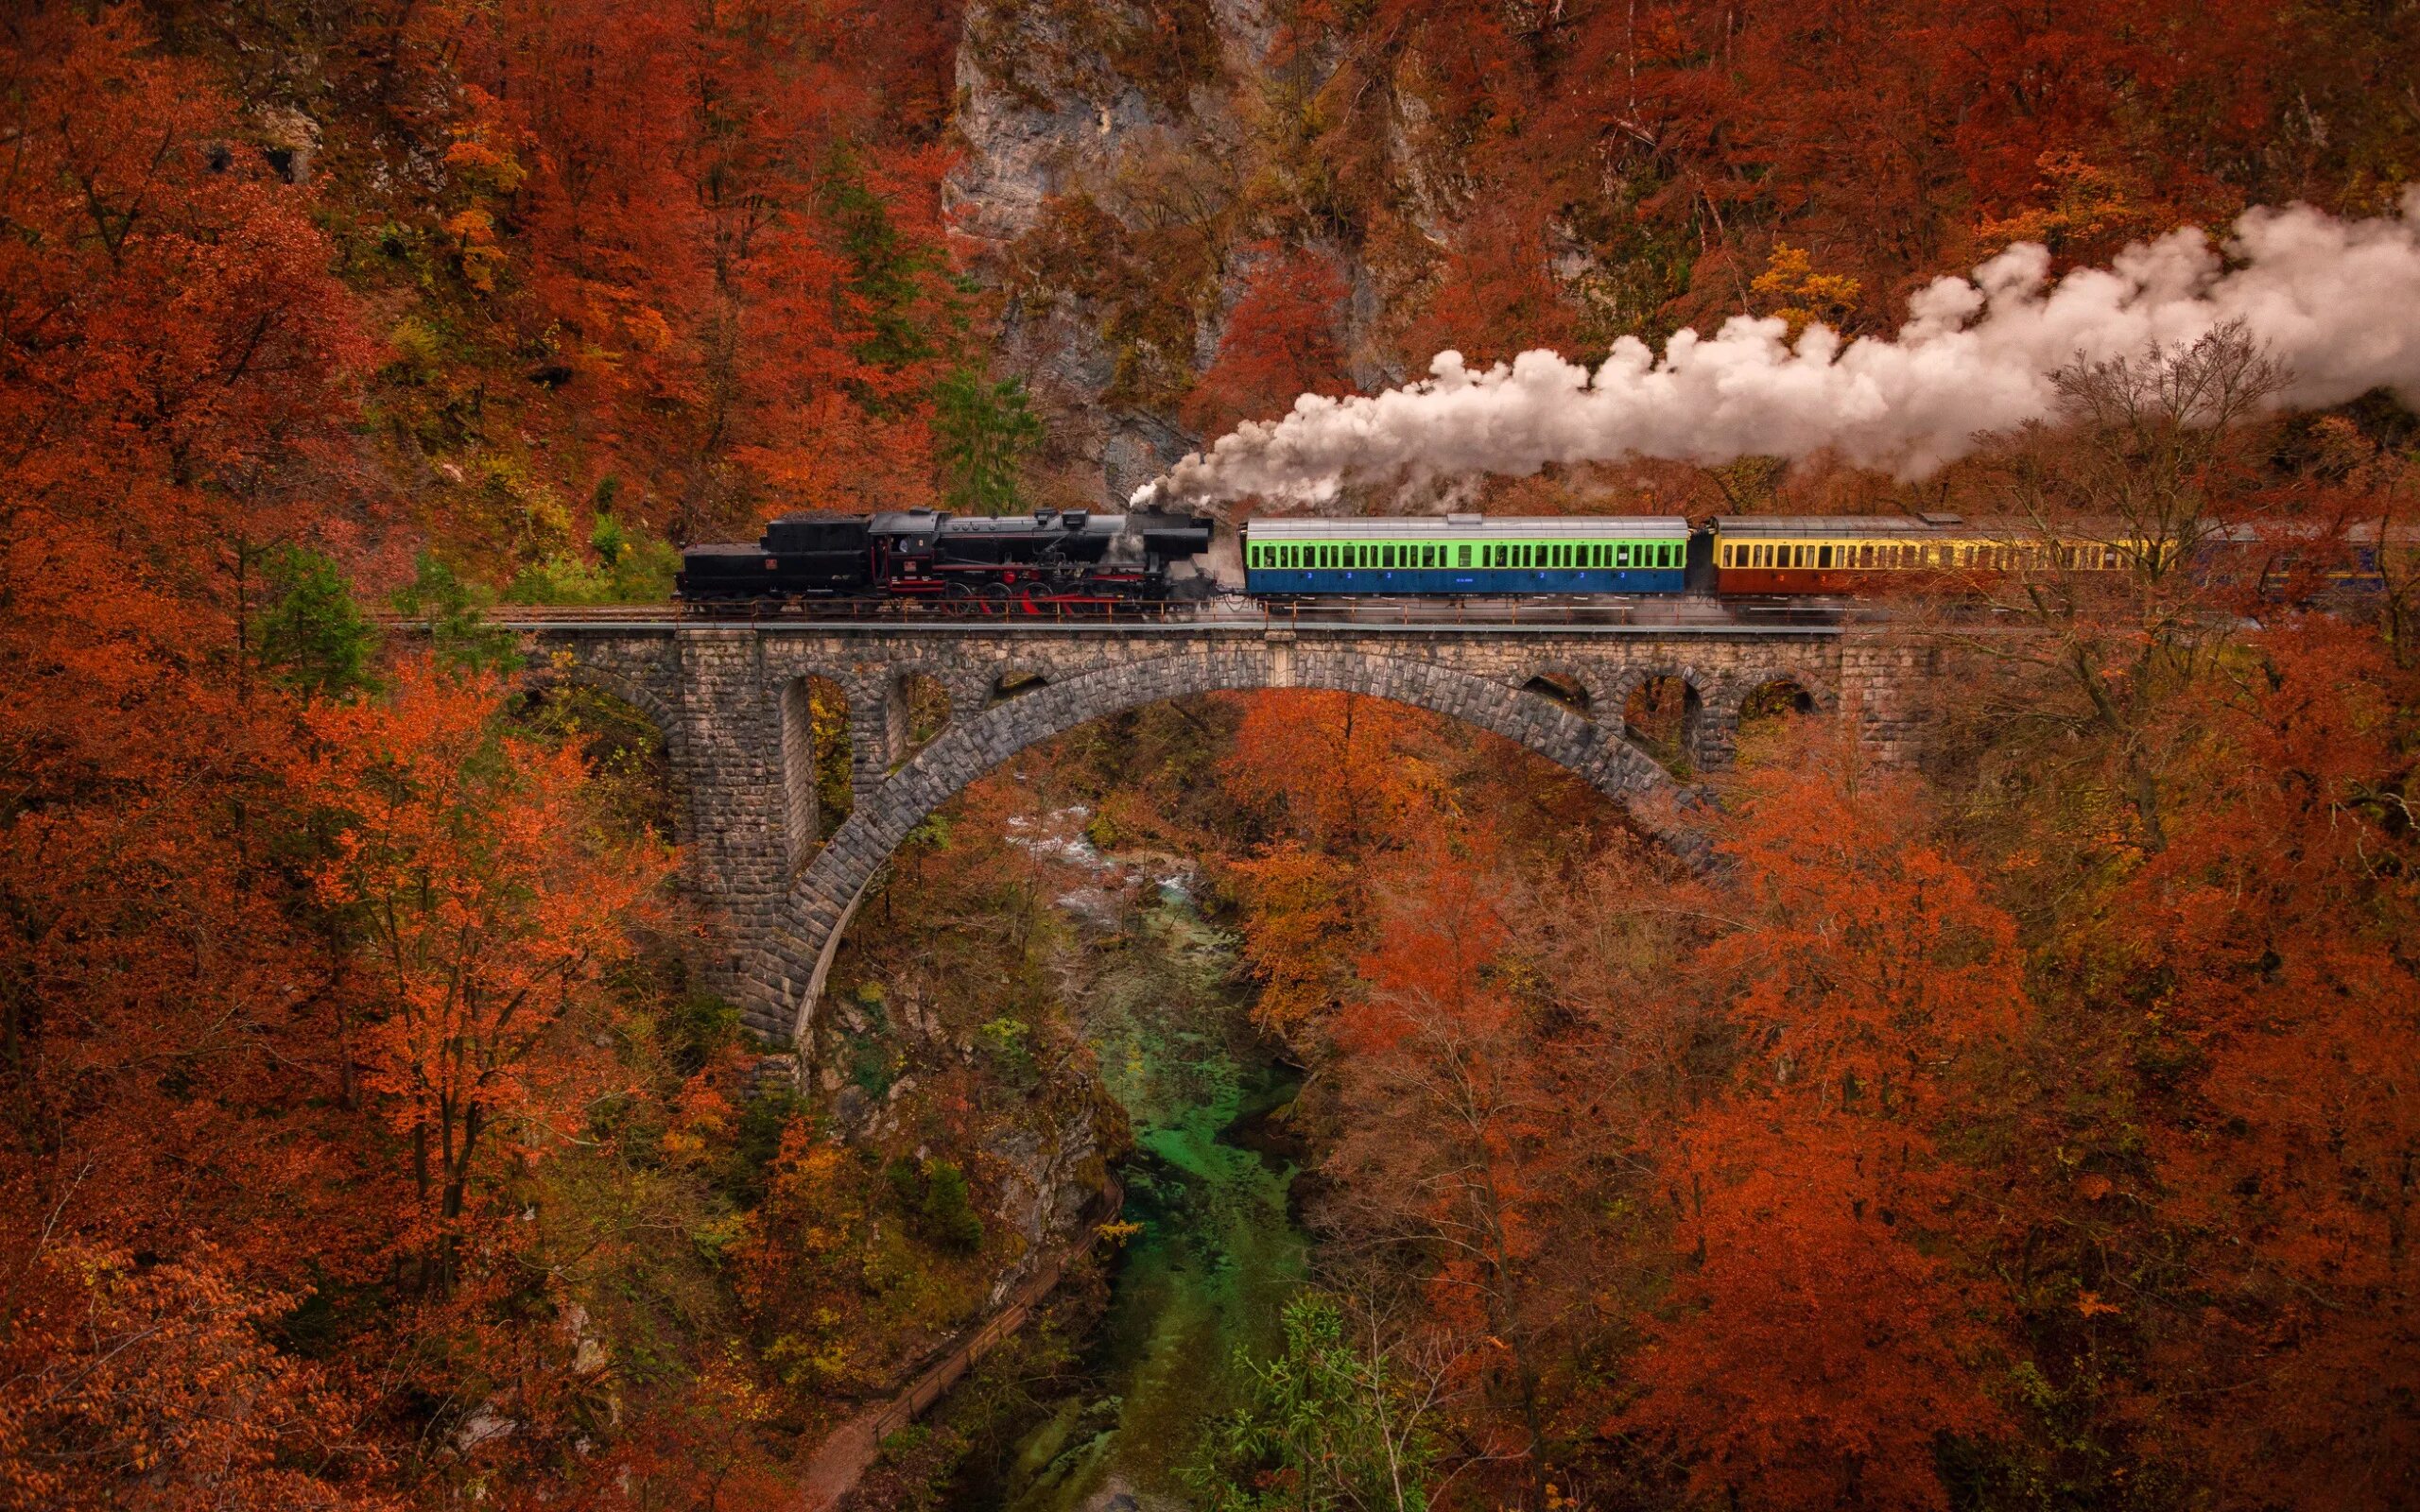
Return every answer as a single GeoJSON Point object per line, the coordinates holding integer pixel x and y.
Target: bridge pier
{"type": "Point", "coordinates": [733, 699]}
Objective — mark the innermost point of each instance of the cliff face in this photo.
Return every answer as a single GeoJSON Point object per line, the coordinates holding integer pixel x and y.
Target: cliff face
{"type": "Point", "coordinates": [1107, 187]}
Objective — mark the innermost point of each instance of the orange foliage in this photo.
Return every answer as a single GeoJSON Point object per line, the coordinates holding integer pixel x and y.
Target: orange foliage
{"type": "Point", "coordinates": [464, 859]}
{"type": "Point", "coordinates": [150, 1386]}
{"type": "Point", "coordinates": [1282, 339]}
{"type": "Point", "coordinates": [1824, 1343]}
{"type": "Point", "coordinates": [2278, 928]}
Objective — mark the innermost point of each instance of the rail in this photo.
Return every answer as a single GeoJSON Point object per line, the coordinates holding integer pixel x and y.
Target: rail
{"type": "Point", "coordinates": [1224, 613]}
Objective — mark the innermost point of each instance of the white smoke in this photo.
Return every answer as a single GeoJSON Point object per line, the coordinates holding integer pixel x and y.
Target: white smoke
{"type": "Point", "coordinates": [2337, 301]}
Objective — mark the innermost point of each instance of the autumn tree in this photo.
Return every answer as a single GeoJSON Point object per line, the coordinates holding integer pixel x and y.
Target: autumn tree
{"type": "Point", "coordinates": [488, 906]}
{"type": "Point", "coordinates": [2266, 955]}
{"type": "Point", "coordinates": [1823, 1339]}
{"type": "Point", "coordinates": [1284, 338]}
{"type": "Point", "coordinates": [1334, 776]}
{"type": "Point", "coordinates": [2153, 464]}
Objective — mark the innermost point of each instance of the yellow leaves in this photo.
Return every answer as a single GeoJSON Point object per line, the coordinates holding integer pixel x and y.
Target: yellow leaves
{"type": "Point", "coordinates": [483, 166]}
{"type": "Point", "coordinates": [1807, 297]}
{"type": "Point", "coordinates": [476, 248]}
{"type": "Point", "coordinates": [2089, 209]}
{"type": "Point", "coordinates": [1117, 1233]}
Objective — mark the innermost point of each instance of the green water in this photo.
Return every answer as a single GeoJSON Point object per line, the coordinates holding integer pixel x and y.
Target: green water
{"type": "Point", "coordinates": [1219, 1252]}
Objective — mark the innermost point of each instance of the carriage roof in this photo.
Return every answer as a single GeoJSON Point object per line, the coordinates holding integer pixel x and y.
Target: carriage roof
{"type": "Point", "coordinates": [1473, 527]}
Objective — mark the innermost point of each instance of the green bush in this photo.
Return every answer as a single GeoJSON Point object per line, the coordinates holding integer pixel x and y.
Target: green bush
{"type": "Point", "coordinates": [310, 634]}
{"type": "Point", "coordinates": [948, 1215]}
{"type": "Point", "coordinates": [630, 567]}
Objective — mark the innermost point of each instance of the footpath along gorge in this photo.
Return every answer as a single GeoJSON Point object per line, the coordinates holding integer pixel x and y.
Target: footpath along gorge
{"type": "Point", "coordinates": [1964, 1064]}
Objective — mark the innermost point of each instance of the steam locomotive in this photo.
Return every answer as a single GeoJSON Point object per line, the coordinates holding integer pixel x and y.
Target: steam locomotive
{"type": "Point", "coordinates": [1050, 561]}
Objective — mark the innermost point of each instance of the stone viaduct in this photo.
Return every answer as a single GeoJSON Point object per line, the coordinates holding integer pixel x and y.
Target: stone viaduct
{"type": "Point", "coordinates": [733, 701]}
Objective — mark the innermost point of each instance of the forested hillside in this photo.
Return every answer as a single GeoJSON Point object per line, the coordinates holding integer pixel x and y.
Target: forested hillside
{"type": "Point", "coordinates": [2028, 1126]}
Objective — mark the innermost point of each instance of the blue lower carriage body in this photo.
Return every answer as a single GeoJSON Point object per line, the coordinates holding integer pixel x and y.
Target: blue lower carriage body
{"type": "Point", "coordinates": [1459, 581]}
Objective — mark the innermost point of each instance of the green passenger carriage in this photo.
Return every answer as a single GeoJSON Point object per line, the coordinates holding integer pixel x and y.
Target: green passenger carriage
{"type": "Point", "coordinates": [1465, 555]}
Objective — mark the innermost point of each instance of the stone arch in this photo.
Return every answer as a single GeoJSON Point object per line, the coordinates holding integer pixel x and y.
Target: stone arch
{"type": "Point", "coordinates": [1016, 680]}
{"type": "Point", "coordinates": [1575, 687]}
{"type": "Point", "coordinates": [605, 680]}
{"type": "Point", "coordinates": [1742, 686]}
{"type": "Point", "coordinates": [1686, 740]}
{"type": "Point", "coordinates": [538, 677]}
{"type": "Point", "coordinates": [793, 958]}
{"type": "Point", "coordinates": [804, 757]}
{"type": "Point", "coordinates": [1736, 703]}
{"type": "Point", "coordinates": [916, 706]}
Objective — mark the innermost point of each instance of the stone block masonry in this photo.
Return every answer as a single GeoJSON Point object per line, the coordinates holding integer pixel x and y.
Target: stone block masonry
{"type": "Point", "coordinates": [781, 900]}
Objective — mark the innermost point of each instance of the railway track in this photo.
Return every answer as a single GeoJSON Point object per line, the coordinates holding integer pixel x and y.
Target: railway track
{"type": "Point", "coordinates": [1228, 613]}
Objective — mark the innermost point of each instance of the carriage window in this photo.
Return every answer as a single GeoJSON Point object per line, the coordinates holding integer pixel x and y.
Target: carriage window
{"type": "Point", "coordinates": [1822, 555]}
{"type": "Point", "coordinates": [1462, 556]}
{"type": "Point", "coordinates": [1429, 556]}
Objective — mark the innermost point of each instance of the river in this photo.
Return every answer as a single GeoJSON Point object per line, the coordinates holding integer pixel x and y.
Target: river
{"type": "Point", "coordinates": [1218, 1251]}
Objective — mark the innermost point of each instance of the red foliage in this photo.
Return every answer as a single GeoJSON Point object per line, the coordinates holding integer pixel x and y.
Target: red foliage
{"type": "Point", "coordinates": [1824, 1340]}
{"type": "Point", "coordinates": [2278, 925]}
{"type": "Point", "coordinates": [1284, 338]}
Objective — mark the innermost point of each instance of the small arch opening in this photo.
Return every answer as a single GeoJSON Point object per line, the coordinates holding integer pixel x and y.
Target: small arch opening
{"type": "Point", "coordinates": [629, 764]}
{"type": "Point", "coordinates": [1765, 718]}
{"type": "Point", "coordinates": [1016, 684]}
{"type": "Point", "coordinates": [1661, 717]}
{"type": "Point", "coordinates": [815, 786]}
{"type": "Point", "coordinates": [1561, 687]}
{"type": "Point", "coordinates": [919, 710]}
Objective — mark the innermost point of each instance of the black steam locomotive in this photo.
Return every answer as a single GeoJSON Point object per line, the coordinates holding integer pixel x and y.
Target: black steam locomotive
{"type": "Point", "coordinates": [1050, 561]}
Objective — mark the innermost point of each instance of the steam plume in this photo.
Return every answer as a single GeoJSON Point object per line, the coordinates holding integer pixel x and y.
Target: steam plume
{"type": "Point", "coordinates": [2337, 301]}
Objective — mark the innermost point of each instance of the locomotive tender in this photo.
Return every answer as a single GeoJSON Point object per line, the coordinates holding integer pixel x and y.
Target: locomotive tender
{"type": "Point", "coordinates": [1076, 561]}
